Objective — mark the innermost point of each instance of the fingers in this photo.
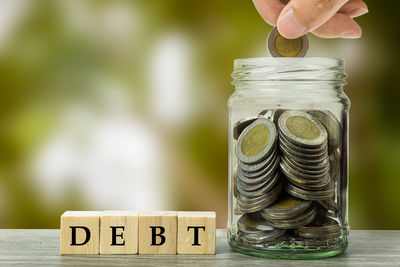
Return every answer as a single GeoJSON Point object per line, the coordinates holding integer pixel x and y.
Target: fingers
{"type": "Point", "coordinates": [300, 16]}
{"type": "Point", "coordinates": [354, 8]}
{"type": "Point", "coordinates": [340, 25]}
{"type": "Point", "coordinates": [269, 10]}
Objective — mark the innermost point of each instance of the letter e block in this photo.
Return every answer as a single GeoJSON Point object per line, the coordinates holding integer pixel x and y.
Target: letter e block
{"type": "Point", "coordinates": [196, 232]}
{"type": "Point", "coordinates": [119, 232]}
{"type": "Point", "coordinates": [79, 232]}
{"type": "Point", "coordinates": [157, 232]}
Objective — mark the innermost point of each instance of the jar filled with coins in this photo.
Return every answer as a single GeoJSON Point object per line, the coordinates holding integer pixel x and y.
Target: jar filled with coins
{"type": "Point", "coordinates": [288, 157]}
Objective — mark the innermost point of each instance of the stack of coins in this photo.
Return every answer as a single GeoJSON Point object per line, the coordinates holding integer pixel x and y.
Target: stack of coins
{"type": "Point", "coordinates": [303, 142]}
{"type": "Point", "coordinates": [253, 229]}
{"type": "Point", "coordinates": [289, 213]}
{"type": "Point", "coordinates": [258, 179]}
{"type": "Point", "coordinates": [322, 231]}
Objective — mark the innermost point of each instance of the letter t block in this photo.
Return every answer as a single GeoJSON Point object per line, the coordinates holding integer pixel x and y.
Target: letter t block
{"type": "Point", "coordinates": [157, 232]}
{"type": "Point", "coordinates": [196, 232]}
{"type": "Point", "coordinates": [80, 232]}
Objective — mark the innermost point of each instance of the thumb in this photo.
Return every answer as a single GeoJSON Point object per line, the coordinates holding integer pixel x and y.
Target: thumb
{"type": "Point", "coordinates": [301, 16]}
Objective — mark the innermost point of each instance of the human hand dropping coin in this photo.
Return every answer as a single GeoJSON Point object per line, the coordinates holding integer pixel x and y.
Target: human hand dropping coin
{"type": "Point", "coordinates": [324, 18]}
{"type": "Point", "coordinates": [293, 19]}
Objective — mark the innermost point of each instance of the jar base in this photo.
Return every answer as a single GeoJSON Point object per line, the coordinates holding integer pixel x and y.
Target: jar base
{"type": "Point", "coordinates": [297, 253]}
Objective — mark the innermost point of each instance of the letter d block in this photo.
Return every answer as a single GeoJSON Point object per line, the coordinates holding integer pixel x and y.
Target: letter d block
{"type": "Point", "coordinates": [80, 232]}
{"type": "Point", "coordinates": [119, 232]}
{"type": "Point", "coordinates": [196, 232]}
{"type": "Point", "coordinates": [157, 232]}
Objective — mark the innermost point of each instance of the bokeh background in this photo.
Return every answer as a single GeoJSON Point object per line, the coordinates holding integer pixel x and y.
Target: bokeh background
{"type": "Point", "coordinates": [122, 105]}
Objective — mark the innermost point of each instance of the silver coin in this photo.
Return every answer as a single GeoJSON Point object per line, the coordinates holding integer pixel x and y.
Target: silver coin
{"type": "Point", "coordinates": [253, 228]}
{"type": "Point", "coordinates": [286, 207]}
{"type": "Point", "coordinates": [267, 187]}
{"type": "Point", "coordinates": [305, 166]}
{"type": "Point", "coordinates": [259, 166]}
{"type": "Point", "coordinates": [293, 223]}
{"type": "Point", "coordinates": [320, 228]}
{"type": "Point", "coordinates": [334, 162]}
{"type": "Point", "coordinates": [301, 175]}
{"type": "Point", "coordinates": [252, 223]}
{"type": "Point", "coordinates": [267, 169]}
{"type": "Point", "coordinates": [249, 205]}
{"type": "Point", "coordinates": [254, 187]}
{"type": "Point", "coordinates": [306, 150]}
{"type": "Point", "coordinates": [292, 166]}
{"type": "Point", "coordinates": [332, 126]}
{"type": "Point", "coordinates": [304, 160]}
{"type": "Point", "coordinates": [255, 180]}
{"type": "Point", "coordinates": [309, 195]}
{"type": "Point", "coordinates": [262, 238]}
{"type": "Point", "coordinates": [256, 141]}
{"type": "Point", "coordinates": [317, 242]}
{"type": "Point", "coordinates": [302, 129]}
{"type": "Point", "coordinates": [241, 125]}
{"type": "Point", "coordinates": [329, 204]}
{"type": "Point", "coordinates": [302, 154]}
{"type": "Point", "coordinates": [279, 46]}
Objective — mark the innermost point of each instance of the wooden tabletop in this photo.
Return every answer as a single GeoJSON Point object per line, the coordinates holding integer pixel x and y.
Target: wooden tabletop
{"type": "Point", "coordinates": [41, 248]}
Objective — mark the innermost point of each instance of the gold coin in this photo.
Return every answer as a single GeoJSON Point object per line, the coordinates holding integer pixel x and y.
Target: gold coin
{"type": "Point", "coordinates": [255, 140]}
{"type": "Point", "coordinates": [279, 46]}
{"type": "Point", "coordinates": [287, 47]}
{"type": "Point", "coordinates": [288, 202]}
{"type": "Point", "coordinates": [302, 128]}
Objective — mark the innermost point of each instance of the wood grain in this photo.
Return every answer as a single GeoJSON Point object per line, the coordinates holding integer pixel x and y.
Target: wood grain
{"type": "Point", "coordinates": [165, 220]}
{"type": "Point", "coordinates": [192, 240]}
{"type": "Point", "coordinates": [41, 248]}
{"type": "Point", "coordinates": [125, 225]}
{"type": "Point", "coordinates": [86, 225]}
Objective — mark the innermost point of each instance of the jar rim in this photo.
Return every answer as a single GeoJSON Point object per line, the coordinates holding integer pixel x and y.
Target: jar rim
{"type": "Point", "coordinates": [279, 61]}
{"type": "Point", "coordinates": [248, 71]}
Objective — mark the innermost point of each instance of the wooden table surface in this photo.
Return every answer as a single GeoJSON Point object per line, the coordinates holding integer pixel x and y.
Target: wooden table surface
{"type": "Point", "coordinates": [41, 248]}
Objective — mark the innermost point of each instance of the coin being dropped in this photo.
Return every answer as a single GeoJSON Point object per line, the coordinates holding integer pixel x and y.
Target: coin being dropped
{"type": "Point", "coordinates": [279, 46]}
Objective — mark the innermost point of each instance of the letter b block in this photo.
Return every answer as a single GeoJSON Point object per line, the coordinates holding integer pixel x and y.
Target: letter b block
{"type": "Point", "coordinates": [157, 232]}
{"type": "Point", "coordinates": [79, 232]}
{"type": "Point", "coordinates": [196, 232]}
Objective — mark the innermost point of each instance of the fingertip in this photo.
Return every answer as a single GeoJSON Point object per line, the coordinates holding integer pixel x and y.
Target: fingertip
{"type": "Point", "coordinates": [288, 26]}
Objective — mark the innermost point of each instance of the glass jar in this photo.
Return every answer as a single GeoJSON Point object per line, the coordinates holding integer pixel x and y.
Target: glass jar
{"type": "Point", "coordinates": [288, 157]}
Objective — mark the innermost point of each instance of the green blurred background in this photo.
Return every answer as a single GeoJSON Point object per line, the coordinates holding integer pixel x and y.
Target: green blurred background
{"type": "Point", "coordinates": [122, 105]}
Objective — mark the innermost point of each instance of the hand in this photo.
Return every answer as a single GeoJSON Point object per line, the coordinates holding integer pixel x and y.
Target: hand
{"type": "Point", "coordinates": [324, 18]}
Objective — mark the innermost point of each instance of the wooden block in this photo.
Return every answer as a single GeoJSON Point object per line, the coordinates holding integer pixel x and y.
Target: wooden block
{"type": "Point", "coordinates": [79, 232]}
{"type": "Point", "coordinates": [157, 232]}
{"type": "Point", "coordinates": [119, 232]}
{"type": "Point", "coordinates": [196, 232]}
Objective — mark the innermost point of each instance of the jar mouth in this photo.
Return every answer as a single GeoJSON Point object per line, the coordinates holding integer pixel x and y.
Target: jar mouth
{"type": "Point", "coordinates": [279, 61]}
{"type": "Point", "coordinates": [296, 69]}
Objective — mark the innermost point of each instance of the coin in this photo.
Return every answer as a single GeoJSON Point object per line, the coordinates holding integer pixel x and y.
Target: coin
{"type": "Point", "coordinates": [252, 187]}
{"type": "Point", "coordinates": [332, 126]}
{"type": "Point", "coordinates": [249, 168]}
{"type": "Point", "coordinates": [321, 194]}
{"type": "Point", "coordinates": [292, 223]}
{"type": "Point", "coordinates": [306, 166]}
{"type": "Point", "coordinates": [302, 129]}
{"type": "Point", "coordinates": [266, 169]}
{"type": "Point", "coordinates": [320, 228]}
{"type": "Point", "coordinates": [260, 191]}
{"type": "Point", "coordinates": [253, 204]}
{"type": "Point", "coordinates": [241, 125]}
{"type": "Point", "coordinates": [252, 226]}
{"type": "Point", "coordinates": [286, 207]}
{"type": "Point", "coordinates": [279, 46]}
{"type": "Point", "coordinates": [256, 141]}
